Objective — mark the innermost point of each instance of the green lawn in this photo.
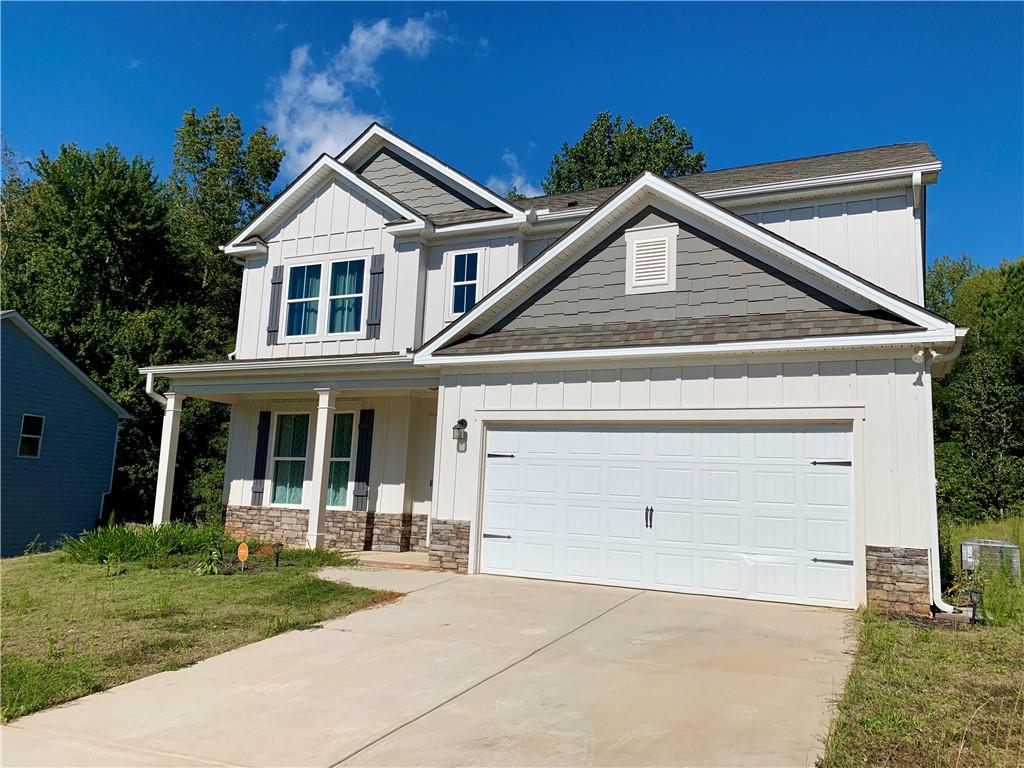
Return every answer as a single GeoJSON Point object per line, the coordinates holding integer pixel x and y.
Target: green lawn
{"type": "Point", "coordinates": [923, 694]}
{"type": "Point", "coordinates": [70, 628]}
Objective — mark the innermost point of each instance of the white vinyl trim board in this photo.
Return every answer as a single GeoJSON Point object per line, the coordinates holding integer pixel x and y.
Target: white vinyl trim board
{"type": "Point", "coordinates": [736, 511]}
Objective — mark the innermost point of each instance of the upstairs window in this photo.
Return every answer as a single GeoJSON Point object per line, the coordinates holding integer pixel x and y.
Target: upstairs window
{"type": "Point", "coordinates": [291, 436]}
{"type": "Point", "coordinates": [303, 300]}
{"type": "Point", "coordinates": [464, 282]}
{"type": "Point", "coordinates": [31, 442]}
{"type": "Point", "coordinates": [651, 259]}
{"type": "Point", "coordinates": [345, 297]}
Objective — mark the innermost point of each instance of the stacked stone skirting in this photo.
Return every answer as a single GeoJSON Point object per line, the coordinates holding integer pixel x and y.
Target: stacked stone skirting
{"type": "Point", "coordinates": [449, 545]}
{"type": "Point", "coordinates": [347, 530]}
{"type": "Point", "coordinates": [897, 580]}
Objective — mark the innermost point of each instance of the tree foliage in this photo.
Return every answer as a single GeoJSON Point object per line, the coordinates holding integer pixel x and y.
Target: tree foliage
{"type": "Point", "coordinates": [121, 270]}
{"type": "Point", "coordinates": [979, 406]}
{"type": "Point", "coordinates": [613, 151]}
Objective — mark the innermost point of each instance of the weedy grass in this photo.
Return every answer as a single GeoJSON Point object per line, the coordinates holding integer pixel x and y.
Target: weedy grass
{"type": "Point", "coordinates": [118, 606]}
{"type": "Point", "coordinates": [929, 695]}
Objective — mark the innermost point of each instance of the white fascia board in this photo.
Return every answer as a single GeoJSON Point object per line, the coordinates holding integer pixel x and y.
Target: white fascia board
{"type": "Point", "coordinates": [48, 347]}
{"type": "Point", "coordinates": [245, 251]}
{"type": "Point", "coordinates": [777, 190]}
{"type": "Point", "coordinates": [729, 222]}
{"type": "Point", "coordinates": [300, 187]}
{"type": "Point", "coordinates": [378, 133]}
{"type": "Point", "coordinates": [911, 339]}
{"type": "Point", "coordinates": [475, 227]}
{"type": "Point", "coordinates": [393, 362]}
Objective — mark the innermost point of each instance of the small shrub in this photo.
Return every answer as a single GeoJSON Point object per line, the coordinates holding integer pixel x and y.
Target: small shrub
{"type": "Point", "coordinates": [210, 561]}
{"type": "Point", "coordinates": [131, 543]}
{"type": "Point", "coordinates": [35, 546]}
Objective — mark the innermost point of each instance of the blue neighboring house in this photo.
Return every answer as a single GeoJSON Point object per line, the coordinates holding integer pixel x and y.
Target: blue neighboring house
{"type": "Point", "coordinates": [58, 438]}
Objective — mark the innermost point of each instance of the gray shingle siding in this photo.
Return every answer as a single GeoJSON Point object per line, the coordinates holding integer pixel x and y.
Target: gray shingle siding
{"type": "Point", "coordinates": [61, 491]}
{"type": "Point", "coordinates": [712, 280]}
{"type": "Point", "coordinates": [408, 184]}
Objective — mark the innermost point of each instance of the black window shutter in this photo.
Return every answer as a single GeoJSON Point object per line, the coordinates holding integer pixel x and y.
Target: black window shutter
{"type": "Point", "coordinates": [259, 470]}
{"type": "Point", "coordinates": [375, 296]}
{"type": "Point", "coordinates": [364, 446]}
{"type": "Point", "coordinates": [276, 284]}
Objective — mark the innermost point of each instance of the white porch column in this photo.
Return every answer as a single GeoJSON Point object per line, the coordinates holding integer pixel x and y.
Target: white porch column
{"type": "Point", "coordinates": [168, 458]}
{"type": "Point", "coordinates": [321, 467]}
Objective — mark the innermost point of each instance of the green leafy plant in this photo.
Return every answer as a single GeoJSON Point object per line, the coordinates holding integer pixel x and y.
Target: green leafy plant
{"type": "Point", "coordinates": [209, 562]}
{"type": "Point", "coordinates": [132, 543]}
{"type": "Point", "coordinates": [35, 546]}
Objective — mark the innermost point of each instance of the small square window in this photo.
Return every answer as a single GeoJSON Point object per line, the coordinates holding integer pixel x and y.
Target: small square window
{"type": "Point", "coordinates": [30, 443]}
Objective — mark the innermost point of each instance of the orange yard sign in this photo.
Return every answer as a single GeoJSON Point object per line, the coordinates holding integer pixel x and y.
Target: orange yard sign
{"type": "Point", "coordinates": [243, 552]}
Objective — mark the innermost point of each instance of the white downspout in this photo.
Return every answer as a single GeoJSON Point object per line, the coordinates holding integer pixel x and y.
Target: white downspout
{"type": "Point", "coordinates": [153, 394]}
{"type": "Point", "coordinates": [935, 577]}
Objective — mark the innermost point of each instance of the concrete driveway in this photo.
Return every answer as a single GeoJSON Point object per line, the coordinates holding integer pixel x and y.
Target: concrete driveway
{"type": "Point", "coordinates": [480, 670]}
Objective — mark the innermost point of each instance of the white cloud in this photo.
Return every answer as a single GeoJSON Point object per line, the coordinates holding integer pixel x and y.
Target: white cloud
{"type": "Point", "coordinates": [514, 178]}
{"type": "Point", "coordinates": [313, 109]}
{"type": "Point", "coordinates": [135, 63]}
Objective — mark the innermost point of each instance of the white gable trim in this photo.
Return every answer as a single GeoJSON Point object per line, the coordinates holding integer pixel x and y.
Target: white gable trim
{"type": "Point", "coordinates": [377, 136]}
{"type": "Point", "coordinates": [322, 169]}
{"type": "Point", "coordinates": [491, 307]}
{"type": "Point", "coordinates": [47, 346]}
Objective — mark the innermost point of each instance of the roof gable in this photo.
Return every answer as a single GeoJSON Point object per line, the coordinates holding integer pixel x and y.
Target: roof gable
{"type": "Point", "coordinates": [732, 232]}
{"type": "Point", "coordinates": [418, 189]}
{"type": "Point", "coordinates": [32, 333]}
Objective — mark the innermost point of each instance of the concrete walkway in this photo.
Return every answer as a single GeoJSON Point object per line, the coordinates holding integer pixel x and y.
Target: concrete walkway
{"type": "Point", "coordinates": [480, 670]}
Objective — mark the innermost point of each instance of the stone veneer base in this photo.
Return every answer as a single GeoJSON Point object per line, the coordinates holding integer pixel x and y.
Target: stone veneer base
{"type": "Point", "coordinates": [449, 545]}
{"type": "Point", "coordinates": [897, 580]}
{"type": "Point", "coordinates": [347, 530]}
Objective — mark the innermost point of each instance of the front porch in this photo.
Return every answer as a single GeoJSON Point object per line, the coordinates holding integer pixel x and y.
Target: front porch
{"type": "Point", "coordinates": [344, 461]}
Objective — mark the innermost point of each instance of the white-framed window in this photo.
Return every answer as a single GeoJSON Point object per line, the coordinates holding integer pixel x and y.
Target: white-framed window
{"type": "Point", "coordinates": [341, 477]}
{"type": "Point", "coordinates": [303, 303]}
{"type": "Point", "coordinates": [288, 458]}
{"type": "Point", "coordinates": [345, 300]}
{"type": "Point", "coordinates": [465, 272]}
{"type": "Point", "coordinates": [30, 444]}
{"type": "Point", "coordinates": [651, 259]}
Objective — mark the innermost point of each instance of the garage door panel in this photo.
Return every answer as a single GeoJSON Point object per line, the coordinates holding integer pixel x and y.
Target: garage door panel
{"type": "Point", "coordinates": [738, 512]}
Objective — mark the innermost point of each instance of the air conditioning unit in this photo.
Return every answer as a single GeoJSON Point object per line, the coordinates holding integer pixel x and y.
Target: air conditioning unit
{"type": "Point", "coordinates": [989, 553]}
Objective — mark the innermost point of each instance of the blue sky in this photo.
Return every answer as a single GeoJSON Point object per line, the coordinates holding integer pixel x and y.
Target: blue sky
{"type": "Point", "coordinates": [495, 88]}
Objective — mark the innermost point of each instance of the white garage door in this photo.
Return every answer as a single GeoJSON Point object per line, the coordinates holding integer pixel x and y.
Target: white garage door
{"type": "Point", "coordinates": [761, 513]}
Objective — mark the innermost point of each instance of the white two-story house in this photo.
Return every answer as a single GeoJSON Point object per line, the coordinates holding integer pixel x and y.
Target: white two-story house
{"type": "Point", "coordinates": [716, 384]}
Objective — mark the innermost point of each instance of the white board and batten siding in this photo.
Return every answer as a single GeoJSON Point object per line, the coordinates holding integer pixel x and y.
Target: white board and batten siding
{"type": "Point", "coordinates": [335, 222]}
{"type": "Point", "coordinates": [874, 237]}
{"type": "Point", "coordinates": [883, 399]}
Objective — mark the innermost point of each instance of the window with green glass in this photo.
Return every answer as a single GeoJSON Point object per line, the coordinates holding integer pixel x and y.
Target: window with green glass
{"type": "Point", "coordinates": [303, 300]}
{"type": "Point", "coordinates": [290, 439]}
{"type": "Point", "coordinates": [341, 460]}
{"type": "Point", "coordinates": [345, 307]}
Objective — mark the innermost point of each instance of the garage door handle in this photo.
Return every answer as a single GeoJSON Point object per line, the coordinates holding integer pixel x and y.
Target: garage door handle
{"type": "Point", "coordinates": [834, 562]}
{"type": "Point", "coordinates": [648, 517]}
{"type": "Point", "coordinates": [501, 455]}
{"type": "Point", "coordinates": [497, 536]}
{"type": "Point", "coordinates": [832, 463]}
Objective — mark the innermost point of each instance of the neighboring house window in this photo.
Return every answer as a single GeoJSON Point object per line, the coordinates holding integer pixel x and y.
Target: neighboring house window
{"type": "Point", "coordinates": [303, 300]}
{"type": "Point", "coordinates": [464, 282]}
{"type": "Point", "coordinates": [341, 460]}
{"type": "Point", "coordinates": [345, 297]}
{"type": "Point", "coordinates": [651, 259]}
{"type": "Point", "coordinates": [290, 440]}
{"type": "Point", "coordinates": [31, 441]}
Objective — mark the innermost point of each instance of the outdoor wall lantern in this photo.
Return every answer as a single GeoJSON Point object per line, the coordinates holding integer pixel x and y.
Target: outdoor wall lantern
{"type": "Point", "coordinates": [975, 596]}
{"type": "Point", "coordinates": [277, 553]}
{"type": "Point", "coordinates": [459, 430]}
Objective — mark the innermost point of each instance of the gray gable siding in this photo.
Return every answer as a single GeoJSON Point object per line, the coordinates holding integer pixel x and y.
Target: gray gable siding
{"type": "Point", "coordinates": [408, 184]}
{"type": "Point", "coordinates": [712, 280]}
{"type": "Point", "coordinates": [61, 491]}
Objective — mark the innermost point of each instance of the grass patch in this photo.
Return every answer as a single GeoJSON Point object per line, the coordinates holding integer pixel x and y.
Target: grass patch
{"type": "Point", "coordinates": [72, 624]}
{"type": "Point", "coordinates": [926, 695]}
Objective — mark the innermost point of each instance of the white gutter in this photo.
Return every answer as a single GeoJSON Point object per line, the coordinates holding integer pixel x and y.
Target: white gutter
{"type": "Point", "coordinates": [153, 394]}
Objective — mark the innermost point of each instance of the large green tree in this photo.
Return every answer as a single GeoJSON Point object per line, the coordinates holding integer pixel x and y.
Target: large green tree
{"type": "Point", "coordinates": [613, 150]}
{"type": "Point", "coordinates": [121, 270]}
{"type": "Point", "coordinates": [979, 406]}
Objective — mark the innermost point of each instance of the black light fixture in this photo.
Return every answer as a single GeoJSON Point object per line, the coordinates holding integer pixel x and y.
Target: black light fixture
{"type": "Point", "coordinates": [975, 596]}
{"type": "Point", "coordinates": [277, 553]}
{"type": "Point", "coordinates": [459, 430]}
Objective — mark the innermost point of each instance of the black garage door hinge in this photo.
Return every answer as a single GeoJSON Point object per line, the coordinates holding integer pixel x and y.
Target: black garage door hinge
{"type": "Point", "coordinates": [834, 562]}
{"type": "Point", "coordinates": [833, 463]}
{"type": "Point", "coordinates": [501, 455]}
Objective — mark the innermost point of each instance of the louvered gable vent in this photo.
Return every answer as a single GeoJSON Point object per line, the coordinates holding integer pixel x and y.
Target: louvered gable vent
{"type": "Point", "coordinates": [651, 259]}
